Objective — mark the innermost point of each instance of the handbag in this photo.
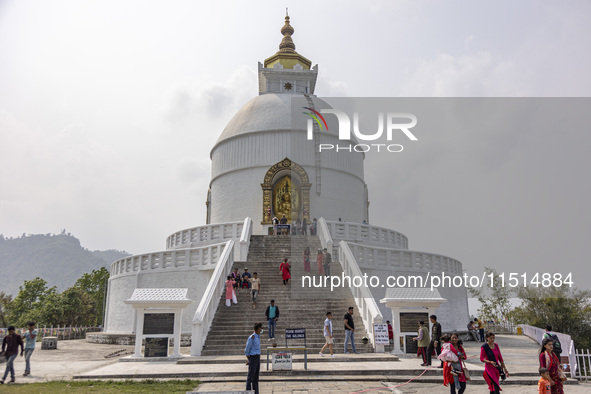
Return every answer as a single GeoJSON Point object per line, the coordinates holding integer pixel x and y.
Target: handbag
{"type": "Point", "coordinates": [466, 371]}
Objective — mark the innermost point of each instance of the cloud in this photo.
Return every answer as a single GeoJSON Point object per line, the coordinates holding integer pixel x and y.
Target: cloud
{"type": "Point", "coordinates": [468, 42]}
{"type": "Point", "coordinates": [478, 74]}
{"type": "Point", "coordinates": [215, 99]}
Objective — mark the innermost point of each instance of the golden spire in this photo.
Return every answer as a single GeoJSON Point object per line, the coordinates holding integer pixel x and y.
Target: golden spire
{"type": "Point", "coordinates": [287, 44]}
{"type": "Point", "coordinates": [287, 56]}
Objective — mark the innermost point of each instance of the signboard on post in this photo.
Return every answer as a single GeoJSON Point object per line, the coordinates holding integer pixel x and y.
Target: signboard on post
{"type": "Point", "coordinates": [295, 333]}
{"type": "Point", "coordinates": [282, 361]}
{"type": "Point", "coordinates": [380, 334]}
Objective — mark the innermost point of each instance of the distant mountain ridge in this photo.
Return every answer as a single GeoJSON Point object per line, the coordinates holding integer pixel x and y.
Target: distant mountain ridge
{"type": "Point", "coordinates": [57, 258]}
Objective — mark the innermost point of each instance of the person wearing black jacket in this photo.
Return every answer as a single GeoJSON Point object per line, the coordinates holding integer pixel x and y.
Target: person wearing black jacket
{"type": "Point", "coordinates": [435, 340]}
{"type": "Point", "coordinates": [10, 345]}
{"type": "Point", "coordinates": [272, 314]}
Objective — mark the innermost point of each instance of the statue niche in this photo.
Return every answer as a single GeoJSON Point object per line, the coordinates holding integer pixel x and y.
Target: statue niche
{"type": "Point", "coordinates": [286, 199]}
{"type": "Point", "coordinates": [286, 191]}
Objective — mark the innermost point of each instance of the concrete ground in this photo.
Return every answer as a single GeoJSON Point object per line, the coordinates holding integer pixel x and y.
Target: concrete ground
{"type": "Point", "coordinates": [373, 388]}
{"type": "Point", "coordinates": [83, 360]}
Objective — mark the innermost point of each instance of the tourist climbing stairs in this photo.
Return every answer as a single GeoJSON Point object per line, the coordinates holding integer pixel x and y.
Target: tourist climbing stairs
{"type": "Point", "coordinates": [299, 307]}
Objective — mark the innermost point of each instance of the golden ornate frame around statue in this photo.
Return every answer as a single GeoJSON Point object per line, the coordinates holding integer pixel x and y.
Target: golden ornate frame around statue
{"type": "Point", "coordinates": [268, 183]}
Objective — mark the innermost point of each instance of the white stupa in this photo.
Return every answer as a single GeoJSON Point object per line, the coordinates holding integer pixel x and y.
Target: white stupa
{"type": "Point", "coordinates": [259, 151]}
{"type": "Point", "coordinates": [263, 166]}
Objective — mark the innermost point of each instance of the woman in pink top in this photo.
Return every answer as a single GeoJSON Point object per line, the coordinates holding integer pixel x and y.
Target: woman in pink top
{"type": "Point", "coordinates": [494, 366]}
{"type": "Point", "coordinates": [230, 295]}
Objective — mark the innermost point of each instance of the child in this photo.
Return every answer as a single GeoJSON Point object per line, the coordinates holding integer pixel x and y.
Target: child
{"type": "Point", "coordinates": [451, 357]}
{"type": "Point", "coordinates": [545, 382]}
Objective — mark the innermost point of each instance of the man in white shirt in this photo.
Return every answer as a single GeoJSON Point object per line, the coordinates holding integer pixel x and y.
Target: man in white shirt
{"type": "Point", "coordinates": [255, 288]}
{"type": "Point", "coordinates": [328, 335]}
{"type": "Point", "coordinates": [30, 339]}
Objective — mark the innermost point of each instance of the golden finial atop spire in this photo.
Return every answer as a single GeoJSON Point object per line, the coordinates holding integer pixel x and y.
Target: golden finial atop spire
{"type": "Point", "coordinates": [287, 44]}
{"type": "Point", "coordinates": [287, 57]}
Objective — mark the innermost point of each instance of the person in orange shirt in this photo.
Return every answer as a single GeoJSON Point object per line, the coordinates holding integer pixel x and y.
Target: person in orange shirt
{"type": "Point", "coordinates": [545, 382]}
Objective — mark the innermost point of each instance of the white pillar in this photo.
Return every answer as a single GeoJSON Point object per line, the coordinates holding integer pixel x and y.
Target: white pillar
{"type": "Point", "coordinates": [178, 314]}
{"type": "Point", "coordinates": [396, 329]}
{"type": "Point", "coordinates": [139, 330]}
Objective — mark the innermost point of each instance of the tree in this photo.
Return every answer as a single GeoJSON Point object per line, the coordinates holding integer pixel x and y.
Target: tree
{"type": "Point", "coordinates": [29, 304]}
{"type": "Point", "coordinates": [567, 310]}
{"type": "Point", "coordinates": [5, 304]}
{"type": "Point", "coordinates": [494, 300]}
{"type": "Point", "coordinates": [76, 308]}
{"type": "Point", "coordinates": [95, 286]}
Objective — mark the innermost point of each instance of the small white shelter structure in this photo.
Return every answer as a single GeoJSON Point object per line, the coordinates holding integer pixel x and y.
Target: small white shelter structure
{"type": "Point", "coordinates": [158, 314]}
{"type": "Point", "coordinates": [409, 306]}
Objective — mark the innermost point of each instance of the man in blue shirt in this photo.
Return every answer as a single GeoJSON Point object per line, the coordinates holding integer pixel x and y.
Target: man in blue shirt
{"type": "Point", "coordinates": [30, 339]}
{"type": "Point", "coordinates": [253, 358]}
{"type": "Point", "coordinates": [272, 314]}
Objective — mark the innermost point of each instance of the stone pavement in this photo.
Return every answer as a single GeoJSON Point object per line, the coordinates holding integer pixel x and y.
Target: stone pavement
{"type": "Point", "coordinates": [82, 360]}
{"type": "Point", "coordinates": [375, 388]}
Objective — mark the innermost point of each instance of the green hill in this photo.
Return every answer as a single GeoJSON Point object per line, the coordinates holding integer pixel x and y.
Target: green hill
{"type": "Point", "coordinates": [59, 259]}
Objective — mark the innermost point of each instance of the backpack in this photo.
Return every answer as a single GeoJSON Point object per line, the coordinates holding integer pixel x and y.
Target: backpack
{"type": "Point", "coordinates": [557, 347]}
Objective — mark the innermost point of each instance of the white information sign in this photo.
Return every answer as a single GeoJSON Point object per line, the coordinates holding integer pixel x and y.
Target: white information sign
{"type": "Point", "coordinates": [281, 361]}
{"type": "Point", "coordinates": [380, 332]}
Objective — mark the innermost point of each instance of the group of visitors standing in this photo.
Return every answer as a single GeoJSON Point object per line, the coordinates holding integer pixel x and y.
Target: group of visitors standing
{"type": "Point", "coordinates": [451, 352]}
{"type": "Point", "coordinates": [476, 329]}
{"type": "Point", "coordinates": [300, 227]}
{"type": "Point", "coordinates": [234, 282]}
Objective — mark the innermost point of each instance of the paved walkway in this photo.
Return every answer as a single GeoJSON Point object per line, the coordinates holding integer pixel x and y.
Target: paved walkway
{"type": "Point", "coordinates": [85, 360]}
{"type": "Point", "coordinates": [373, 388]}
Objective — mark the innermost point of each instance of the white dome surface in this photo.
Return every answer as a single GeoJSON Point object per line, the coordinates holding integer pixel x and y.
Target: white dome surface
{"type": "Point", "coordinates": [270, 111]}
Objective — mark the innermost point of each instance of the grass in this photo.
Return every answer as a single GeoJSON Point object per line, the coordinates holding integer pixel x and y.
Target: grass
{"type": "Point", "coordinates": [103, 386]}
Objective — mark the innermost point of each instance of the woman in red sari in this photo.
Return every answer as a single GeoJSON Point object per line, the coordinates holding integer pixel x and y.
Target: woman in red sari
{"type": "Point", "coordinates": [549, 361]}
{"type": "Point", "coordinates": [284, 269]}
{"type": "Point", "coordinates": [490, 355]}
{"type": "Point", "coordinates": [457, 348]}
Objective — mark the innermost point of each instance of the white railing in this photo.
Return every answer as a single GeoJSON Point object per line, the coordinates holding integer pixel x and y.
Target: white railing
{"type": "Point", "coordinates": [244, 242]}
{"type": "Point", "coordinates": [385, 258]}
{"type": "Point", "coordinates": [174, 259]}
{"type": "Point", "coordinates": [211, 298]}
{"type": "Point", "coordinates": [366, 234]}
{"type": "Point", "coordinates": [583, 365]}
{"type": "Point", "coordinates": [209, 233]}
{"type": "Point", "coordinates": [324, 235]}
{"type": "Point", "coordinates": [366, 303]}
{"type": "Point", "coordinates": [537, 334]}
{"type": "Point", "coordinates": [501, 327]}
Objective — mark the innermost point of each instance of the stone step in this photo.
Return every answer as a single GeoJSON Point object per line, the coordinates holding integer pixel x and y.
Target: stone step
{"type": "Point", "coordinates": [313, 357]}
{"type": "Point", "coordinates": [388, 375]}
{"type": "Point", "coordinates": [299, 307]}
